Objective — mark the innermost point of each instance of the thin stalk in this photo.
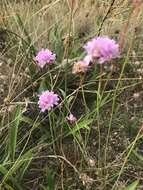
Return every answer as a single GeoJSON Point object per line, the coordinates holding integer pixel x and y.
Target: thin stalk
{"type": "Point", "coordinates": [98, 101]}
{"type": "Point", "coordinates": [18, 159]}
{"type": "Point", "coordinates": [126, 159]}
{"type": "Point", "coordinates": [52, 132]}
{"type": "Point", "coordinates": [114, 102]}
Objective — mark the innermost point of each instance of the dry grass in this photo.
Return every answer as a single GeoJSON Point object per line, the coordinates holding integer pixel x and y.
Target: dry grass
{"type": "Point", "coordinates": [79, 166]}
{"type": "Point", "coordinates": [40, 17]}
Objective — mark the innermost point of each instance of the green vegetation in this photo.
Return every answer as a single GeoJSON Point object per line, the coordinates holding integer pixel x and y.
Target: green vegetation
{"type": "Point", "coordinates": [103, 148]}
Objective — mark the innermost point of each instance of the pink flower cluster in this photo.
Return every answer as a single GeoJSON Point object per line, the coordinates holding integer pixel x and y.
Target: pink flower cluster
{"type": "Point", "coordinates": [47, 100]}
{"type": "Point", "coordinates": [71, 118]}
{"type": "Point", "coordinates": [43, 57]}
{"type": "Point", "coordinates": [101, 49]}
{"type": "Point", "coordinates": [82, 66]}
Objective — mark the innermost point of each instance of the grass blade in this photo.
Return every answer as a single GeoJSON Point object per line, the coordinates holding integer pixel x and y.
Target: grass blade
{"type": "Point", "coordinates": [132, 186]}
{"type": "Point", "coordinates": [24, 31]}
{"type": "Point", "coordinates": [4, 171]}
{"type": "Point", "coordinates": [31, 48]}
{"type": "Point", "coordinates": [14, 130]}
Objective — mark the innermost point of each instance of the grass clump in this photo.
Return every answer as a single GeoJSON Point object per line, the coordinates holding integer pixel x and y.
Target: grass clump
{"type": "Point", "coordinates": [71, 95]}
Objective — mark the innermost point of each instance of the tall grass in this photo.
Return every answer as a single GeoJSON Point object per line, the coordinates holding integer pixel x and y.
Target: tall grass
{"type": "Point", "coordinates": [44, 151]}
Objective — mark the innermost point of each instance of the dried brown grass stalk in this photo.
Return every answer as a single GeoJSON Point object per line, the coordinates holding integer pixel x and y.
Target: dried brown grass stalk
{"type": "Point", "coordinates": [133, 16]}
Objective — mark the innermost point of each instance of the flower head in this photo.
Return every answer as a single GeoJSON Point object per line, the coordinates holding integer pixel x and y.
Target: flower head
{"type": "Point", "coordinates": [102, 48]}
{"type": "Point", "coordinates": [71, 118]}
{"type": "Point", "coordinates": [47, 100]}
{"type": "Point", "coordinates": [88, 59]}
{"type": "Point", "coordinates": [44, 56]}
{"type": "Point", "coordinates": [80, 67]}
{"type": "Point", "coordinates": [136, 95]}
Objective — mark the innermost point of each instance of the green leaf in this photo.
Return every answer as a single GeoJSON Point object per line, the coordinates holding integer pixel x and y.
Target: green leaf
{"type": "Point", "coordinates": [4, 171]}
{"type": "Point", "coordinates": [84, 124]}
{"type": "Point", "coordinates": [14, 130]}
{"type": "Point", "coordinates": [30, 121]}
{"type": "Point", "coordinates": [139, 156]}
{"type": "Point", "coordinates": [54, 37]}
{"type": "Point", "coordinates": [26, 160]}
{"type": "Point", "coordinates": [50, 180]}
{"type": "Point", "coordinates": [43, 86]}
{"type": "Point", "coordinates": [132, 186]}
{"type": "Point", "coordinates": [21, 165]}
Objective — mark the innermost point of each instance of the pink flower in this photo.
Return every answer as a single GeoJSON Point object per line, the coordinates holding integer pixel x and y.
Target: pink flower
{"type": "Point", "coordinates": [47, 100]}
{"type": "Point", "coordinates": [102, 48]}
{"type": "Point", "coordinates": [88, 59]}
{"type": "Point", "coordinates": [44, 56]}
{"type": "Point", "coordinates": [80, 67]}
{"type": "Point", "coordinates": [71, 118]}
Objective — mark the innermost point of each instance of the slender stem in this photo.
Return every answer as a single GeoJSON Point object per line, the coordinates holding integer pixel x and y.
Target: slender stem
{"type": "Point", "coordinates": [114, 101]}
{"type": "Point", "coordinates": [52, 131]}
{"type": "Point", "coordinates": [98, 119]}
{"type": "Point", "coordinates": [126, 159]}
{"type": "Point", "coordinates": [106, 16]}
